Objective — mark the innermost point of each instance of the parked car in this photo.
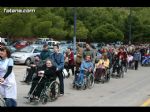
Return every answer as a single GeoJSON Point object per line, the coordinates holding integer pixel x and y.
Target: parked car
{"type": "Point", "coordinates": [4, 40]}
{"type": "Point", "coordinates": [63, 42]}
{"type": "Point", "coordinates": [63, 48]}
{"type": "Point", "coordinates": [101, 44]}
{"type": "Point", "coordinates": [43, 39]}
{"type": "Point", "coordinates": [26, 54]}
{"type": "Point", "coordinates": [40, 42]}
{"type": "Point", "coordinates": [94, 45]}
{"type": "Point", "coordinates": [11, 48]}
{"type": "Point", "coordinates": [51, 43]}
{"type": "Point", "coordinates": [21, 44]}
{"type": "Point", "coordinates": [82, 44]}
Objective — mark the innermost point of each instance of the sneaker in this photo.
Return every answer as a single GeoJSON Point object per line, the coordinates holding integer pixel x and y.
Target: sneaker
{"type": "Point", "coordinates": [53, 97]}
{"type": "Point", "coordinates": [61, 94]}
{"type": "Point", "coordinates": [36, 99]}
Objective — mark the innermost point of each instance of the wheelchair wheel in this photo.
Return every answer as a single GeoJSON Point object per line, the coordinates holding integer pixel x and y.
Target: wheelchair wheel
{"type": "Point", "coordinates": [125, 69]}
{"type": "Point", "coordinates": [43, 96]}
{"type": "Point", "coordinates": [103, 78]}
{"type": "Point", "coordinates": [85, 82]}
{"type": "Point", "coordinates": [74, 86]}
{"type": "Point", "coordinates": [84, 86]}
{"type": "Point", "coordinates": [108, 77]}
{"type": "Point", "coordinates": [54, 90]}
{"type": "Point", "coordinates": [44, 100]}
{"type": "Point", "coordinates": [121, 74]}
{"type": "Point", "coordinates": [90, 81]}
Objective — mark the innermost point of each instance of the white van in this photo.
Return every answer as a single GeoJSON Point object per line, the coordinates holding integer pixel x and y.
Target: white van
{"type": "Point", "coordinates": [4, 40]}
{"type": "Point", "coordinates": [43, 39]}
{"type": "Point", "coordinates": [51, 43]}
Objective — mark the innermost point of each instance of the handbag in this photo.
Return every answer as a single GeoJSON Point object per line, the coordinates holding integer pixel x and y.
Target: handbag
{"type": "Point", "coordinates": [64, 72]}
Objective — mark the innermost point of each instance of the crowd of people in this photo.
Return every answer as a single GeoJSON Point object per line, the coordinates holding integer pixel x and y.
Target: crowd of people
{"type": "Point", "coordinates": [50, 65]}
{"type": "Point", "coordinates": [88, 60]}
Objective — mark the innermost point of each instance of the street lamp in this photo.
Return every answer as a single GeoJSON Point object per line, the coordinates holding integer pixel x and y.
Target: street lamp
{"type": "Point", "coordinates": [130, 27]}
{"type": "Point", "coordinates": [74, 38]}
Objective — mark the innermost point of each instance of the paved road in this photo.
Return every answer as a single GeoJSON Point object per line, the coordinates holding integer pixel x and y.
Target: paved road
{"type": "Point", "coordinates": [132, 90]}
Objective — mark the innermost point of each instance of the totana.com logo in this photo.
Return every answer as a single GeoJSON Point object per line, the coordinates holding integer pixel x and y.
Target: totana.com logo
{"type": "Point", "coordinates": [18, 10]}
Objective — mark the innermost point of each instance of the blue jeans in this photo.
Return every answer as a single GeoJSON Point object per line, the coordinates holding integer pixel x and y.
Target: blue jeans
{"type": "Point", "coordinates": [80, 77]}
{"type": "Point", "coordinates": [10, 102]}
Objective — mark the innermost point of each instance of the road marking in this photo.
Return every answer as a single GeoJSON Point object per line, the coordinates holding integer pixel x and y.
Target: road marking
{"type": "Point", "coordinates": [146, 103]}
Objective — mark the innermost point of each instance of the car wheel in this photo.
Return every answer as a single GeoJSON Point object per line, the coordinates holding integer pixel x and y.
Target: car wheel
{"type": "Point", "coordinates": [28, 61]}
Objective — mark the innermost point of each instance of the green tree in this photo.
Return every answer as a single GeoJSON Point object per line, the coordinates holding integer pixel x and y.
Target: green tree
{"type": "Point", "coordinates": [81, 31]}
{"type": "Point", "coordinates": [42, 28]}
{"type": "Point", "coordinates": [136, 28]}
{"type": "Point", "coordinates": [107, 33]}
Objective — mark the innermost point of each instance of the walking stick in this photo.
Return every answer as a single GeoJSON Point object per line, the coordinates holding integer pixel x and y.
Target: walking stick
{"type": "Point", "coordinates": [35, 87]}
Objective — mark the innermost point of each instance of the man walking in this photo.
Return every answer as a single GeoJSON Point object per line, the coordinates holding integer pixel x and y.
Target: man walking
{"type": "Point", "coordinates": [136, 58]}
{"type": "Point", "coordinates": [58, 61]}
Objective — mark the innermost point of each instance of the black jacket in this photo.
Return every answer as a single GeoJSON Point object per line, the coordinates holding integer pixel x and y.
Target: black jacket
{"type": "Point", "coordinates": [48, 72]}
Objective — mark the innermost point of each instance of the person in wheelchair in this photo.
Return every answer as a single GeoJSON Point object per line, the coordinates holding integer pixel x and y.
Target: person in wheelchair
{"type": "Point", "coordinates": [130, 61]}
{"type": "Point", "coordinates": [101, 67]}
{"type": "Point", "coordinates": [45, 75]}
{"type": "Point", "coordinates": [32, 68]}
{"type": "Point", "coordinates": [86, 68]}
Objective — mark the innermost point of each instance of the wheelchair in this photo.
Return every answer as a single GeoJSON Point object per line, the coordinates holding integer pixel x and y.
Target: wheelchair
{"type": "Point", "coordinates": [117, 71]}
{"type": "Point", "coordinates": [146, 61]}
{"type": "Point", "coordinates": [131, 65]}
{"type": "Point", "coordinates": [103, 76]}
{"type": "Point", "coordinates": [88, 81]}
{"type": "Point", "coordinates": [124, 66]}
{"type": "Point", "coordinates": [49, 93]}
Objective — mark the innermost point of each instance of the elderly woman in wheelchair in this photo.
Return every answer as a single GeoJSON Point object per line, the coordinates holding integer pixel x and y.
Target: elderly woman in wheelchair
{"type": "Point", "coordinates": [44, 84]}
{"type": "Point", "coordinates": [102, 70]}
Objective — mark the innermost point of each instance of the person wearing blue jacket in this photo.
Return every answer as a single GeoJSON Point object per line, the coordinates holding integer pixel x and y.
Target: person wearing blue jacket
{"type": "Point", "coordinates": [136, 58]}
{"type": "Point", "coordinates": [58, 62]}
{"type": "Point", "coordinates": [86, 67]}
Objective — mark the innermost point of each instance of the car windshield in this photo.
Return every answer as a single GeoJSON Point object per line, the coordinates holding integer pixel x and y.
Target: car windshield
{"type": "Point", "coordinates": [50, 44]}
{"type": "Point", "coordinates": [27, 49]}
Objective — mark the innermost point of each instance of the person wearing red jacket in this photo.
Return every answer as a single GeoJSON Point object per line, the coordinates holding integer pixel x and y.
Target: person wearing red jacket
{"type": "Point", "coordinates": [123, 55]}
{"type": "Point", "coordinates": [69, 60]}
